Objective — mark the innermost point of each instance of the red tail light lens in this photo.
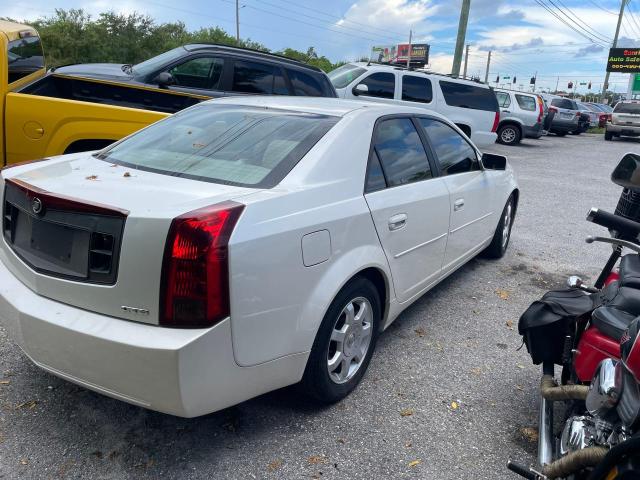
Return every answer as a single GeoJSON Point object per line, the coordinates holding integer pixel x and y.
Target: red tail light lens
{"type": "Point", "coordinates": [541, 110]}
{"type": "Point", "coordinates": [496, 121]}
{"type": "Point", "coordinates": [195, 269]}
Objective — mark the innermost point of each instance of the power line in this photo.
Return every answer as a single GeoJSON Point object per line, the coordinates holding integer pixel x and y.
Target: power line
{"type": "Point", "coordinates": [578, 31]}
{"type": "Point", "coordinates": [602, 8]}
{"type": "Point", "coordinates": [587, 28]}
{"type": "Point", "coordinates": [632, 14]}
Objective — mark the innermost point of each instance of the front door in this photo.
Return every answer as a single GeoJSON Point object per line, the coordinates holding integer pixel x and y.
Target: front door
{"type": "Point", "coordinates": [410, 208]}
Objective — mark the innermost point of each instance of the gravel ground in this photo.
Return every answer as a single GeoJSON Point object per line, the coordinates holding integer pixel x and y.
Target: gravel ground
{"type": "Point", "coordinates": [447, 395]}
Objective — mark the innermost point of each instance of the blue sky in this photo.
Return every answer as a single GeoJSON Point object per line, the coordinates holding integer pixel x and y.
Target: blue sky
{"type": "Point", "coordinates": [524, 37]}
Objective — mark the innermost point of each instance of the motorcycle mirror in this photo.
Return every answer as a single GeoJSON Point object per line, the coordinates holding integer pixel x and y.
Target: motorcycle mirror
{"type": "Point", "coordinates": [627, 173]}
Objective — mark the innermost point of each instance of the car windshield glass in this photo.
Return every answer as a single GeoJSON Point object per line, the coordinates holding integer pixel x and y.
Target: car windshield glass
{"type": "Point", "coordinates": [156, 63]}
{"type": "Point", "coordinates": [627, 108]}
{"type": "Point", "coordinates": [343, 76]}
{"type": "Point", "coordinates": [235, 145]}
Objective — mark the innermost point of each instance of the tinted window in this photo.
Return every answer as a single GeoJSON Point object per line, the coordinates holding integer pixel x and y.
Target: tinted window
{"type": "Point", "coordinates": [453, 152]}
{"type": "Point", "coordinates": [504, 99]}
{"type": "Point", "coordinates": [526, 102]}
{"type": "Point", "coordinates": [375, 176]}
{"type": "Point", "coordinates": [235, 145]}
{"type": "Point", "coordinates": [254, 77]}
{"type": "Point", "coordinates": [305, 84]}
{"type": "Point", "coordinates": [416, 89]}
{"type": "Point", "coordinates": [204, 72]}
{"type": "Point", "coordinates": [343, 76]}
{"type": "Point", "coordinates": [469, 96]}
{"type": "Point", "coordinates": [381, 84]}
{"type": "Point", "coordinates": [564, 103]}
{"type": "Point", "coordinates": [627, 108]}
{"type": "Point", "coordinates": [25, 57]}
{"type": "Point", "coordinates": [401, 152]}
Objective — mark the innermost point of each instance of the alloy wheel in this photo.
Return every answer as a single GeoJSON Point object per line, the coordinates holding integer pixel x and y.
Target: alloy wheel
{"type": "Point", "coordinates": [508, 135]}
{"type": "Point", "coordinates": [506, 224]}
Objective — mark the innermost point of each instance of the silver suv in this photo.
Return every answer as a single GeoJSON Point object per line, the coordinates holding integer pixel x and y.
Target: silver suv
{"type": "Point", "coordinates": [567, 117]}
{"type": "Point", "coordinates": [521, 116]}
{"type": "Point", "coordinates": [625, 120]}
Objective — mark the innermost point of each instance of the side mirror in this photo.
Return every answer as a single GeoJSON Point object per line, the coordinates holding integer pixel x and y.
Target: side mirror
{"type": "Point", "coordinates": [492, 161]}
{"type": "Point", "coordinates": [164, 80]}
{"type": "Point", "coordinates": [360, 89]}
{"type": "Point", "coordinates": [627, 173]}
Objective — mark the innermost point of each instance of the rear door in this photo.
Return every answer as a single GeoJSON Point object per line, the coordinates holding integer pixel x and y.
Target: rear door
{"type": "Point", "coordinates": [473, 219]}
{"type": "Point", "coordinates": [409, 205]}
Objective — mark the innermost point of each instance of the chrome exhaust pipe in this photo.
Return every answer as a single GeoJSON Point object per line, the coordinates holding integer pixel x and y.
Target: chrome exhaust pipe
{"type": "Point", "coordinates": [545, 432]}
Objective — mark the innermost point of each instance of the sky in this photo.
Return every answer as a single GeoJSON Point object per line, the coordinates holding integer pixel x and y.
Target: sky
{"type": "Point", "coordinates": [524, 37]}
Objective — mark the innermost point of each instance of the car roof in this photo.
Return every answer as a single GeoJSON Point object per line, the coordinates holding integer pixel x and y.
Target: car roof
{"type": "Point", "coordinates": [320, 105]}
{"type": "Point", "coordinates": [194, 47]}
{"type": "Point", "coordinates": [531, 94]}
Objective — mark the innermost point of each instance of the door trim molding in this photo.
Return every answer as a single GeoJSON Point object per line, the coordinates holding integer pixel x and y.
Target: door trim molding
{"type": "Point", "coordinates": [398, 255]}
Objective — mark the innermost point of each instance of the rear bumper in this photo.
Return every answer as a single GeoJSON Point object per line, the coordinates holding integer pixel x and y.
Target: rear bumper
{"type": "Point", "coordinates": [626, 130]}
{"type": "Point", "coordinates": [180, 372]}
{"type": "Point", "coordinates": [534, 131]}
{"type": "Point", "coordinates": [559, 125]}
{"type": "Point", "coordinates": [484, 139]}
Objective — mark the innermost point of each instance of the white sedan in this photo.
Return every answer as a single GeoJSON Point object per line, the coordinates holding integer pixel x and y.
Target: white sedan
{"type": "Point", "coordinates": [240, 246]}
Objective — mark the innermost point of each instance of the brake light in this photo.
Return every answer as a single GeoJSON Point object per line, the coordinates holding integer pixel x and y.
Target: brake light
{"type": "Point", "coordinates": [541, 112]}
{"type": "Point", "coordinates": [496, 121]}
{"type": "Point", "coordinates": [195, 269]}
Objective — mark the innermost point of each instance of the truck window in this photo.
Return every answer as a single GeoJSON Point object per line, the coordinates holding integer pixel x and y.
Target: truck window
{"type": "Point", "coordinates": [380, 84]}
{"type": "Point", "coordinates": [203, 73]}
{"type": "Point", "coordinates": [416, 89]}
{"type": "Point", "coordinates": [469, 96]}
{"type": "Point", "coordinates": [254, 77]}
{"type": "Point", "coordinates": [25, 57]}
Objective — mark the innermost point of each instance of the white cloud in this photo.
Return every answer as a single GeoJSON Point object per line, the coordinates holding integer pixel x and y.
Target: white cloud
{"type": "Point", "coordinates": [394, 15]}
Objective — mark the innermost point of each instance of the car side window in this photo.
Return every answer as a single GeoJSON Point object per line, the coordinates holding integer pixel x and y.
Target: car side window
{"type": "Point", "coordinates": [454, 154]}
{"type": "Point", "coordinates": [375, 175]}
{"type": "Point", "coordinates": [305, 84]}
{"type": "Point", "coordinates": [504, 99]}
{"type": "Point", "coordinates": [526, 102]}
{"type": "Point", "coordinates": [416, 89]}
{"type": "Point", "coordinates": [398, 150]}
{"type": "Point", "coordinates": [380, 84]}
{"type": "Point", "coordinates": [202, 72]}
{"type": "Point", "coordinates": [255, 77]}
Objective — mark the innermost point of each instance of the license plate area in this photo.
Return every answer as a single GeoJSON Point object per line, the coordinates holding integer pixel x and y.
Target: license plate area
{"type": "Point", "coordinates": [76, 244]}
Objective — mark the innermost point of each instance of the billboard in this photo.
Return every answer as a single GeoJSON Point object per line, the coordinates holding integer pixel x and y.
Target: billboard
{"type": "Point", "coordinates": [625, 60]}
{"type": "Point", "coordinates": [399, 53]}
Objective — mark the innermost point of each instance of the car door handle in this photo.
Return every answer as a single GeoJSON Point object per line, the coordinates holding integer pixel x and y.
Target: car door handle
{"type": "Point", "coordinates": [398, 221]}
{"type": "Point", "coordinates": [458, 204]}
{"type": "Point", "coordinates": [506, 111]}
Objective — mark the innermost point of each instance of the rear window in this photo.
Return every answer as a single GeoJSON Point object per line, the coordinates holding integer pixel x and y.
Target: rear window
{"type": "Point", "coordinates": [305, 84]}
{"type": "Point", "coordinates": [627, 108]}
{"type": "Point", "coordinates": [469, 96]}
{"type": "Point", "coordinates": [234, 145]}
{"type": "Point", "coordinates": [526, 102]}
{"type": "Point", "coordinates": [343, 76]}
{"type": "Point", "coordinates": [416, 89]}
{"type": "Point", "coordinates": [564, 103]}
{"type": "Point", "coordinates": [25, 57]}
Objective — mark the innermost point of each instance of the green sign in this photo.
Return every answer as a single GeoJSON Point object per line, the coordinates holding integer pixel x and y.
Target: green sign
{"type": "Point", "coordinates": [583, 83]}
{"type": "Point", "coordinates": [635, 86]}
{"type": "Point", "coordinates": [506, 78]}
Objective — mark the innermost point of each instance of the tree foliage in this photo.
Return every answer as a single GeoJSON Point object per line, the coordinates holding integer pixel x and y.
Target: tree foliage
{"type": "Point", "coordinates": [74, 36]}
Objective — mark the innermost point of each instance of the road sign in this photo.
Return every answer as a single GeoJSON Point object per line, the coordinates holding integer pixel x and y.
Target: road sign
{"type": "Point", "coordinates": [635, 85]}
{"type": "Point", "coordinates": [625, 60]}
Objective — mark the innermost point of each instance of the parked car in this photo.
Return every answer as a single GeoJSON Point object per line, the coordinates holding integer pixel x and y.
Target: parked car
{"type": "Point", "coordinates": [472, 106]}
{"type": "Point", "coordinates": [625, 120]}
{"type": "Point", "coordinates": [567, 118]}
{"type": "Point", "coordinates": [604, 110]}
{"type": "Point", "coordinates": [521, 115]}
{"type": "Point", "coordinates": [253, 243]}
{"type": "Point", "coordinates": [595, 116]}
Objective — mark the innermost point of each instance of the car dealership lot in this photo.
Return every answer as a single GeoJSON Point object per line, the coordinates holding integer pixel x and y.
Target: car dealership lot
{"type": "Point", "coordinates": [446, 396]}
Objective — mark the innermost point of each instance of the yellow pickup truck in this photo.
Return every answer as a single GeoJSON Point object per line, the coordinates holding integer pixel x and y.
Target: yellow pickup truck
{"type": "Point", "coordinates": [50, 114]}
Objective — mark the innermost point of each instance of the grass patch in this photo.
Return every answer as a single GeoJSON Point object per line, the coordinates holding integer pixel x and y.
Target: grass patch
{"type": "Point", "coordinates": [596, 130]}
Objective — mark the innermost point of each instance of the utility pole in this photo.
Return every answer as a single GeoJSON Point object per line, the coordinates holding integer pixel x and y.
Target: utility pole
{"type": "Point", "coordinates": [535, 80]}
{"type": "Point", "coordinates": [238, 20]}
{"type": "Point", "coordinates": [466, 61]}
{"type": "Point", "coordinates": [557, 82]}
{"type": "Point", "coordinates": [409, 52]}
{"type": "Point", "coordinates": [486, 73]}
{"type": "Point", "coordinates": [615, 43]}
{"type": "Point", "coordinates": [462, 33]}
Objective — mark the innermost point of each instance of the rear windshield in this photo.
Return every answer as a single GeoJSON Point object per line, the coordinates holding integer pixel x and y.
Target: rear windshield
{"type": "Point", "coordinates": [234, 145]}
{"type": "Point", "coordinates": [627, 108]}
{"type": "Point", "coordinates": [343, 76]}
{"type": "Point", "coordinates": [25, 57]}
{"type": "Point", "coordinates": [469, 96]}
{"type": "Point", "coordinates": [564, 103]}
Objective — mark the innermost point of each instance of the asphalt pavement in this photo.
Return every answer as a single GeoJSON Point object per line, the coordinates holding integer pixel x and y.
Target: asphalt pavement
{"type": "Point", "coordinates": [447, 395]}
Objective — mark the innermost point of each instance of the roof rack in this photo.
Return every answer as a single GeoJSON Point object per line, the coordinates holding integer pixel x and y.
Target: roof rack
{"type": "Point", "coordinates": [396, 66]}
{"type": "Point", "coordinates": [205, 45]}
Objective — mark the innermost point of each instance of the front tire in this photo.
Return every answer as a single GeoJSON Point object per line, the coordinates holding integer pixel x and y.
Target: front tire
{"type": "Point", "coordinates": [344, 343]}
{"type": "Point", "coordinates": [509, 135]}
{"type": "Point", "coordinates": [502, 235]}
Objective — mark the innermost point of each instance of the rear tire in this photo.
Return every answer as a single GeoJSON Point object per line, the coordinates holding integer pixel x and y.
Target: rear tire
{"type": "Point", "coordinates": [341, 351]}
{"type": "Point", "coordinates": [502, 235]}
{"type": "Point", "coordinates": [509, 134]}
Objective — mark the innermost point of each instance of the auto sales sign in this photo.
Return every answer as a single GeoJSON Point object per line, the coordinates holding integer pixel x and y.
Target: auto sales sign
{"type": "Point", "coordinates": [625, 60]}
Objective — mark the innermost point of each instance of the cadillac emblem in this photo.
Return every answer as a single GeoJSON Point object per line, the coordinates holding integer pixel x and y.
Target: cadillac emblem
{"type": "Point", "coordinates": [36, 205]}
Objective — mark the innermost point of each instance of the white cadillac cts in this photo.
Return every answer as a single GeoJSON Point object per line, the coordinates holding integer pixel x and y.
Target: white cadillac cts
{"type": "Point", "coordinates": [242, 245]}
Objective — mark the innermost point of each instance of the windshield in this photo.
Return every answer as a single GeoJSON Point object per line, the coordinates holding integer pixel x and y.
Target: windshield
{"type": "Point", "coordinates": [235, 145]}
{"type": "Point", "coordinates": [633, 108]}
{"type": "Point", "coordinates": [344, 75]}
{"type": "Point", "coordinates": [154, 64]}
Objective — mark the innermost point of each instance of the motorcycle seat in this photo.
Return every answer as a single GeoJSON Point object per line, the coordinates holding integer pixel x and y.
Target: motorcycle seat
{"type": "Point", "coordinates": [630, 271]}
{"type": "Point", "coordinates": [611, 321]}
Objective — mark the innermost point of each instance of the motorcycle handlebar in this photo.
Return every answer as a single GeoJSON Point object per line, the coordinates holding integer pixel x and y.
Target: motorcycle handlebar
{"type": "Point", "coordinates": [620, 224]}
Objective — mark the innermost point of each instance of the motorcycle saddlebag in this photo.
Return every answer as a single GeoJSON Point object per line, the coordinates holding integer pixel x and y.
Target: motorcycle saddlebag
{"type": "Point", "coordinates": [546, 323]}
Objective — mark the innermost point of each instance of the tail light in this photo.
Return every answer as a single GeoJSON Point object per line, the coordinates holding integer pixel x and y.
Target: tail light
{"type": "Point", "coordinates": [496, 121]}
{"type": "Point", "coordinates": [195, 269]}
{"type": "Point", "coordinates": [609, 118]}
{"type": "Point", "coordinates": [541, 112]}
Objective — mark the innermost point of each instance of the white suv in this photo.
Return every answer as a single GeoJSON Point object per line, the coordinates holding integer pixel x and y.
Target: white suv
{"type": "Point", "coordinates": [472, 106]}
